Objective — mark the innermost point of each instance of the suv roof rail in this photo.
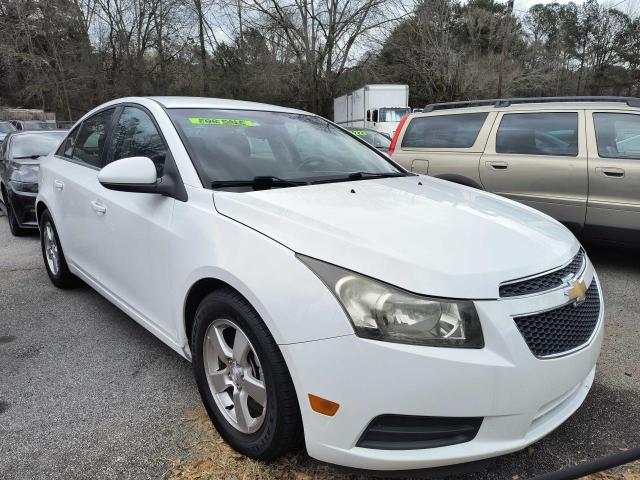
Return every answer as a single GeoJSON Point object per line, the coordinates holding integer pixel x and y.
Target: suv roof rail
{"type": "Point", "coordinates": [506, 102]}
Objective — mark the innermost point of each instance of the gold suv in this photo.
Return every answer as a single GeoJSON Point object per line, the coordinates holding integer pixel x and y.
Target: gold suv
{"type": "Point", "coordinates": [574, 158]}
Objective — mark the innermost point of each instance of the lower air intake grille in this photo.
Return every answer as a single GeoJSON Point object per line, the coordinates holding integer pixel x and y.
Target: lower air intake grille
{"type": "Point", "coordinates": [562, 329]}
{"type": "Point", "coordinates": [402, 432]}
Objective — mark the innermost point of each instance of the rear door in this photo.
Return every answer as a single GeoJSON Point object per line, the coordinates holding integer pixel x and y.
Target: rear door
{"type": "Point", "coordinates": [540, 159]}
{"type": "Point", "coordinates": [613, 210]}
{"type": "Point", "coordinates": [74, 181]}
{"type": "Point", "coordinates": [445, 145]}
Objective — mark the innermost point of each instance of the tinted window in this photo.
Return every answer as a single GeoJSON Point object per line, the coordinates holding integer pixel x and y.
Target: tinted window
{"type": "Point", "coordinates": [242, 144]}
{"type": "Point", "coordinates": [87, 146]}
{"type": "Point", "coordinates": [135, 135]}
{"type": "Point", "coordinates": [34, 145]}
{"type": "Point", "coordinates": [617, 134]}
{"type": "Point", "coordinates": [444, 131]}
{"type": "Point", "coordinates": [538, 134]}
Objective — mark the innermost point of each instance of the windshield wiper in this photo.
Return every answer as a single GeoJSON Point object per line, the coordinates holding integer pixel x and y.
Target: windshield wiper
{"type": "Point", "coordinates": [258, 183]}
{"type": "Point", "coordinates": [363, 175]}
{"type": "Point", "coordinates": [33, 157]}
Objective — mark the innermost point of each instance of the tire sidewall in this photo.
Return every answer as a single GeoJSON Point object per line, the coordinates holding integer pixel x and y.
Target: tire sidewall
{"type": "Point", "coordinates": [222, 306]}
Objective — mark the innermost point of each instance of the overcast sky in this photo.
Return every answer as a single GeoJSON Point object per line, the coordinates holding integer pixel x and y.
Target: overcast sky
{"type": "Point", "coordinates": [631, 7]}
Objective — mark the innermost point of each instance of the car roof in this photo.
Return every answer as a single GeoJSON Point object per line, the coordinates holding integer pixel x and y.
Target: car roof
{"type": "Point", "coordinates": [221, 103]}
{"type": "Point", "coordinates": [20, 133]}
{"type": "Point", "coordinates": [532, 104]}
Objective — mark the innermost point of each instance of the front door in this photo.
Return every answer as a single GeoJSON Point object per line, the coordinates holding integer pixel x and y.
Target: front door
{"type": "Point", "coordinates": [134, 244]}
{"type": "Point", "coordinates": [540, 159]}
{"type": "Point", "coordinates": [613, 211]}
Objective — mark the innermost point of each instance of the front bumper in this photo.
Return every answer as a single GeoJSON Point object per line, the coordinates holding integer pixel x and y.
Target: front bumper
{"type": "Point", "coordinates": [520, 397]}
{"type": "Point", "coordinates": [24, 207]}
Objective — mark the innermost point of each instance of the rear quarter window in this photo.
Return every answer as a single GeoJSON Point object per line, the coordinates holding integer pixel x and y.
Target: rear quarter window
{"type": "Point", "coordinates": [444, 131]}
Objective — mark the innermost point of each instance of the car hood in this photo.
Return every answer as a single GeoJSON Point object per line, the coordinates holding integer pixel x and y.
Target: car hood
{"type": "Point", "coordinates": [421, 234]}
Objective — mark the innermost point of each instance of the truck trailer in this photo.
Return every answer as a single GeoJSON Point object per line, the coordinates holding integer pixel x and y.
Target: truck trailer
{"type": "Point", "coordinates": [379, 107]}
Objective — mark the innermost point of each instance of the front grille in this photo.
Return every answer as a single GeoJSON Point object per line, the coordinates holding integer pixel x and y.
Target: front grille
{"type": "Point", "coordinates": [405, 432]}
{"type": "Point", "coordinates": [563, 329]}
{"type": "Point", "coordinates": [544, 282]}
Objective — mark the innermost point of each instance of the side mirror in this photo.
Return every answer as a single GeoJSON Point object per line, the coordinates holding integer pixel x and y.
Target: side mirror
{"type": "Point", "coordinates": [375, 116]}
{"type": "Point", "coordinates": [368, 115]}
{"type": "Point", "coordinates": [132, 174]}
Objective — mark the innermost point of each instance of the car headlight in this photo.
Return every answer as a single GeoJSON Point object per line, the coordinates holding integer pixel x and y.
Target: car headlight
{"type": "Point", "coordinates": [24, 177]}
{"type": "Point", "coordinates": [383, 312]}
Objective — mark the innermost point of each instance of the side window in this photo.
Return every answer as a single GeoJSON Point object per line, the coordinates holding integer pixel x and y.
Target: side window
{"type": "Point", "coordinates": [444, 131]}
{"type": "Point", "coordinates": [135, 135]}
{"type": "Point", "coordinates": [539, 134]}
{"type": "Point", "coordinates": [617, 135]}
{"type": "Point", "coordinates": [66, 148]}
{"type": "Point", "coordinates": [87, 146]}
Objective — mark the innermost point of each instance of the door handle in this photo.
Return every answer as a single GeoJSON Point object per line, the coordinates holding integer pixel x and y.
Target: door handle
{"type": "Point", "coordinates": [59, 185]}
{"type": "Point", "coordinates": [497, 165]}
{"type": "Point", "coordinates": [98, 207]}
{"type": "Point", "coordinates": [611, 172]}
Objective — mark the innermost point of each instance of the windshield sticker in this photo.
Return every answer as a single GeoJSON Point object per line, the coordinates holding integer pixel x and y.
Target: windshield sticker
{"type": "Point", "coordinates": [359, 133]}
{"type": "Point", "coordinates": [221, 121]}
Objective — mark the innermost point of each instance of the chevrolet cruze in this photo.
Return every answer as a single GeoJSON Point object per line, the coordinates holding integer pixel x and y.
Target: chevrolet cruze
{"type": "Point", "coordinates": [324, 294]}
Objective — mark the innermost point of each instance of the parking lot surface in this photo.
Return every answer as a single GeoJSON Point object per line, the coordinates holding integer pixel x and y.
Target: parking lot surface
{"type": "Point", "coordinates": [85, 392]}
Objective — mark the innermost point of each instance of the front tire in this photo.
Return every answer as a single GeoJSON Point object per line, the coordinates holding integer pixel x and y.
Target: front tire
{"type": "Point", "coordinates": [14, 225]}
{"type": "Point", "coordinates": [53, 255]}
{"type": "Point", "coordinates": [243, 379]}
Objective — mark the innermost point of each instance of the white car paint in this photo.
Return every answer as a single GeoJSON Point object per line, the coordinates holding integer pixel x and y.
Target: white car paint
{"type": "Point", "coordinates": [139, 170]}
{"type": "Point", "coordinates": [145, 252]}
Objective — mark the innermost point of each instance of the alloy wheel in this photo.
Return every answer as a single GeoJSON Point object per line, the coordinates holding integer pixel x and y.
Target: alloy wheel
{"type": "Point", "coordinates": [51, 249]}
{"type": "Point", "coordinates": [235, 377]}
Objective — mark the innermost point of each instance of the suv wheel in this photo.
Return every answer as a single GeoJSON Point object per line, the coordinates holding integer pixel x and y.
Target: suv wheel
{"type": "Point", "coordinates": [243, 379]}
{"type": "Point", "coordinates": [53, 255]}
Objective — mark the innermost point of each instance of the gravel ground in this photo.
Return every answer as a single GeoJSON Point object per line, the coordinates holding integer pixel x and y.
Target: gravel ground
{"type": "Point", "coordinates": [87, 393]}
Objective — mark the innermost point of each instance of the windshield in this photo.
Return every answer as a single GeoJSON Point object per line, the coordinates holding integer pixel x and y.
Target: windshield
{"type": "Point", "coordinates": [37, 144]}
{"type": "Point", "coordinates": [37, 125]}
{"type": "Point", "coordinates": [393, 114]}
{"type": "Point", "coordinates": [372, 137]}
{"type": "Point", "coordinates": [228, 145]}
{"type": "Point", "coordinates": [6, 127]}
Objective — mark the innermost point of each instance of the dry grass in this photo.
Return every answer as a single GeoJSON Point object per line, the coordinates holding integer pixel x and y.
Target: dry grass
{"type": "Point", "coordinates": [212, 459]}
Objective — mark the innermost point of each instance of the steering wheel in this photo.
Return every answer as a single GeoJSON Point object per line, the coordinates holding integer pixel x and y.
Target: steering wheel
{"type": "Point", "coordinates": [316, 160]}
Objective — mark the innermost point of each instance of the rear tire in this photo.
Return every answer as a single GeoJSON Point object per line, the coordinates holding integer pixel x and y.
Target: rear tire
{"type": "Point", "coordinates": [271, 430]}
{"type": "Point", "coordinates": [53, 255]}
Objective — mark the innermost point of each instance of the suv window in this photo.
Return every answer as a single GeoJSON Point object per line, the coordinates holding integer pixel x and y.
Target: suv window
{"type": "Point", "coordinates": [617, 135]}
{"type": "Point", "coordinates": [444, 131]}
{"type": "Point", "coordinates": [539, 134]}
{"type": "Point", "coordinates": [135, 135]}
{"type": "Point", "coordinates": [86, 144]}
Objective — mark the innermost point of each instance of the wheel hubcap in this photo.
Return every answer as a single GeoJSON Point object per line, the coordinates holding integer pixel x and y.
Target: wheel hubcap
{"type": "Point", "coordinates": [51, 249]}
{"type": "Point", "coordinates": [235, 376]}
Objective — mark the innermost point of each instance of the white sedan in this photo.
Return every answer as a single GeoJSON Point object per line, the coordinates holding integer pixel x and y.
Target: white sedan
{"type": "Point", "coordinates": [323, 294]}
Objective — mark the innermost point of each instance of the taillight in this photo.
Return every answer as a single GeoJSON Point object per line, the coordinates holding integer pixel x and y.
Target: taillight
{"type": "Point", "coordinates": [392, 147]}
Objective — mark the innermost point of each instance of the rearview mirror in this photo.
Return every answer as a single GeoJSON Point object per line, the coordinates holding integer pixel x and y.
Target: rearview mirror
{"type": "Point", "coordinates": [131, 174]}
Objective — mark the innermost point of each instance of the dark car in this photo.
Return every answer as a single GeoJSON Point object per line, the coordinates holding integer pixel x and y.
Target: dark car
{"type": "Point", "coordinates": [372, 137]}
{"type": "Point", "coordinates": [5, 128]}
{"type": "Point", "coordinates": [33, 125]}
{"type": "Point", "coordinates": [20, 156]}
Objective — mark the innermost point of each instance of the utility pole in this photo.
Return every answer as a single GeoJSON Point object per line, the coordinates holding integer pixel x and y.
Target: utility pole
{"type": "Point", "coordinates": [505, 44]}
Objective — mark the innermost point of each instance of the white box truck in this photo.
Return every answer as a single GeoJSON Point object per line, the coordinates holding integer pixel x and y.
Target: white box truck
{"type": "Point", "coordinates": [379, 107]}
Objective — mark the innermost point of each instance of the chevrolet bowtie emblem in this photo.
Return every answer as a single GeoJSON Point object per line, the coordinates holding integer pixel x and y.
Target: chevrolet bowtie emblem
{"type": "Point", "coordinates": [577, 291]}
